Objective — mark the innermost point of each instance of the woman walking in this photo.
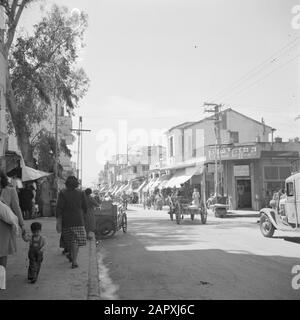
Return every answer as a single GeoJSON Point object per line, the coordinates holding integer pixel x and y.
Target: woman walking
{"type": "Point", "coordinates": [71, 208]}
{"type": "Point", "coordinates": [8, 238]}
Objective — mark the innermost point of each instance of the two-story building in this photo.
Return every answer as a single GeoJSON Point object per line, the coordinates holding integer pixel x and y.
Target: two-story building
{"type": "Point", "coordinates": [250, 167]}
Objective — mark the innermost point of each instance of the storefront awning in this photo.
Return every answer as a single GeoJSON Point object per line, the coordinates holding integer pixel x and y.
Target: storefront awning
{"type": "Point", "coordinates": [147, 187]}
{"type": "Point", "coordinates": [121, 189]}
{"type": "Point", "coordinates": [115, 190]}
{"type": "Point", "coordinates": [163, 182]}
{"type": "Point", "coordinates": [141, 187]}
{"type": "Point", "coordinates": [30, 174]}
{"type": "Point", "coordinates": [182, 176]}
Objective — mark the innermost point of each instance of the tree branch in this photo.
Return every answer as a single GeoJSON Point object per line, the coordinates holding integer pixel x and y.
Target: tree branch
{"type": "Point", "coordinates": [12, 28]}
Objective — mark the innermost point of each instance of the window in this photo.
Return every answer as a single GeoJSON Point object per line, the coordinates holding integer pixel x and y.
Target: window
{"type": "Point", "coordinates": [171, 146]}
{"type": "Point", "coordinates": [290, 189]}
{"type": "Point", "coordinates": [134, 169]}
{"type": "Point", "coordinates": [271, 173]}
{"type": "Point", "coordinates": [234, 137]}
{"type": "Point", "coordinates": [194, 153]}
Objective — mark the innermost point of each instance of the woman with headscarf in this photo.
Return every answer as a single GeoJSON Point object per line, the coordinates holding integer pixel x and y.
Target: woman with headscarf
{"type": "Point", "coordinates": [8, 236]}
{"type": "Point", "coordinates": [71, 208]}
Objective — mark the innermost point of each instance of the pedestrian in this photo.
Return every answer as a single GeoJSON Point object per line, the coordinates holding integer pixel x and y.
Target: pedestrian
{"type": "Point", "coordinates": [90, 222]}
{"type": "Point", "coordinates": [70, 210]}
{"type": "Point", "coordinates": [196, 198]}
{"type": "Point", "coordinates": [8, 236]}
{"type": "Point", "coordinates": [26, 197]}
{"type": "Point", "coordinates": [36, 251]}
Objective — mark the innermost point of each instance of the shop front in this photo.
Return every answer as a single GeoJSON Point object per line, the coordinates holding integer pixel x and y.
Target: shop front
{"type": "Point", "coordinates": [251, 174]}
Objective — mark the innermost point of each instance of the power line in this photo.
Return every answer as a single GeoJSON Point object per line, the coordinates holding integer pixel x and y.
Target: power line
{"type": "Point", "coordinates": [273, 58]}
{"type": "Point", "coordinates": [259, 80]}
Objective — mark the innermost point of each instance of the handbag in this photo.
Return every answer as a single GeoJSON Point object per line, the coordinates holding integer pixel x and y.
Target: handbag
{"type": "Point", "coordinates": [59, 224]}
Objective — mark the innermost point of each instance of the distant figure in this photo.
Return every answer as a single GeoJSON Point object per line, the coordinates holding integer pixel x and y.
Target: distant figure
{"type": "Point", "coordinates": [196, 198]}
{"type": "Point", "coordinates": [26, 196]}
{"type": "Point", "coordinates": [36, 251]}
{"type": "Point", "coordinates": [108, 197]}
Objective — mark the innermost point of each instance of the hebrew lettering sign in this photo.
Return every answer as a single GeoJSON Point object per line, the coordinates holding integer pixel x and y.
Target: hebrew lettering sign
{"type": "Point", "coordinates": [233, 153]}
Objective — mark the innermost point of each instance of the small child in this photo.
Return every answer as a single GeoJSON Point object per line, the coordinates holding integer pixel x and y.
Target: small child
{"type": "Point", "coordinates": [36, 250]}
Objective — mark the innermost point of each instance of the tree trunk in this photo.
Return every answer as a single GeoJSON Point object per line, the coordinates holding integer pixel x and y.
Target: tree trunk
{"type": "Point", "coordinates": [21, 134]}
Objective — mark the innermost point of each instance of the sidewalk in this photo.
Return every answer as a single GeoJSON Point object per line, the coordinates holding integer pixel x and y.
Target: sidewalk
{"type": "Point", "coordinates": [57, 281]}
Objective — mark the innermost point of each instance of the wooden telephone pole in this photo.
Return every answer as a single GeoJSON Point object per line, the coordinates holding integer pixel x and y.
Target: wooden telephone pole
{"type": "Point", "coordinates": [216, 109]}
{"type": "Point", "coordinates": [79, 132]}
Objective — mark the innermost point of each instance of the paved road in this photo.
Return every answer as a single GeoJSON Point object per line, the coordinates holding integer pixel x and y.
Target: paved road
{"type": "Point", "coordinates": [224, 259]}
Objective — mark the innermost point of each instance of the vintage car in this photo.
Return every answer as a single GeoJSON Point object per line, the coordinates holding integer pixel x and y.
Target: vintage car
{"type": "Point", "coordinates": [284, 213]}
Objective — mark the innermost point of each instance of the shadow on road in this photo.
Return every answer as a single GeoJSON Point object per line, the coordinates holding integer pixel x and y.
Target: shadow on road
{"type": "Point", "coordinates": [161, 265]}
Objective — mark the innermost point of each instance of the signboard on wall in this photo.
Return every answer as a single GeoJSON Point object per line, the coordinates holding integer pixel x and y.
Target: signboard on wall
{"type": "Point", "coordinates": [233, 153]}
{"type": "Point", "coordinates": [241, 171]}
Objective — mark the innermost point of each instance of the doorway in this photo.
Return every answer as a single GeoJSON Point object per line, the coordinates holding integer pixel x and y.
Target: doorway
{"type": "Point", "coordinates": [243, 193]}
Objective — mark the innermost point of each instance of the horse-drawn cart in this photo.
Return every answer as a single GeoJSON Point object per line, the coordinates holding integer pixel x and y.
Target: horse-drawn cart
{"type": "Point", "coordinates": [181, 207]}
{"type": "Point", "coordinates": [110, 218]}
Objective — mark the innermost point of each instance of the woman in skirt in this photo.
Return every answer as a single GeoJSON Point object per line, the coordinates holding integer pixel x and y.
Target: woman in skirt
{"type": "Point", "coordinates": [71, 209]}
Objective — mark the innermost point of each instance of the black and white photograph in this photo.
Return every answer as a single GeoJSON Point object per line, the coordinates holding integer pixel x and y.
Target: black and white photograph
{"type": "Point", "coordinates": [150, 153]}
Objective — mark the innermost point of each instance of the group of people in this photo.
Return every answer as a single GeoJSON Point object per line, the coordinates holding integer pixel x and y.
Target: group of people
{"type": "Point", "coordinates": [158, 198]}
{"type": "Point", "coordinates": [75, 221]}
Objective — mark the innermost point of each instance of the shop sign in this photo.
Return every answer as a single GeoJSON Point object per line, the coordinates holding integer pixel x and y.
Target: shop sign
{"type": "Point", "coordinates": [233, 153]}
{"type": "Point", "coordinates": [241, 171]}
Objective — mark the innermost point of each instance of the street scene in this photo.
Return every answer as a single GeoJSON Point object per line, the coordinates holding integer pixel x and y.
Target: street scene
{"type": "Point", "coordinates": [226, 259]}
{"type": "Point", "coordinates": [149, 150]}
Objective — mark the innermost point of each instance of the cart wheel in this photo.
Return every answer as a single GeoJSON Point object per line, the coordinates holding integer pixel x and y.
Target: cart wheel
{"type": "Point", "coordinates": [105, 230]}
{"type": "Point", "coordinates": [178, 213]}
{"type": "Point", "coordinates": [192, 217]}
{"type": "Point", "coordinates": [124, 223]}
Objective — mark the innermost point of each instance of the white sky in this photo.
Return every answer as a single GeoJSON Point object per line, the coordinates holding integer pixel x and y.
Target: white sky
{"type": "Point", "coordinates": [154, 63]}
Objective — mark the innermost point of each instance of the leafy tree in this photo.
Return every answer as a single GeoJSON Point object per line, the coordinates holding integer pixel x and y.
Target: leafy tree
{"type": "Point", "coordinates": [42, 70]}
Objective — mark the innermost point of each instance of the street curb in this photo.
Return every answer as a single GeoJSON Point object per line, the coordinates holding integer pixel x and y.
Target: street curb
{"type": "Point", "coordinates": [93, 273]}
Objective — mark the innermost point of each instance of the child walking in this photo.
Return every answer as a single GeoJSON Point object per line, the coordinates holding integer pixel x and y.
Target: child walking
{"type": "Point", "coordinates": [36, 251]}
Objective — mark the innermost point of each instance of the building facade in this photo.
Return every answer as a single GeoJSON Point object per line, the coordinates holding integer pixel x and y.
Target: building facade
{"type": "Point", "coordinates": [127, 167]}
{"type": "Point", "coordinates": [248, 165]}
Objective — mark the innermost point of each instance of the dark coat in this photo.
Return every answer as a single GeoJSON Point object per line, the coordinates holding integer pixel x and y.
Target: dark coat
{"type": "Point", "coordinates": [71, 206]}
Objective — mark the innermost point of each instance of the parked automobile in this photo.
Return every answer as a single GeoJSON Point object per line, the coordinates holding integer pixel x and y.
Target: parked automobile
{"type": "Point", "coordinates": [284, 213]}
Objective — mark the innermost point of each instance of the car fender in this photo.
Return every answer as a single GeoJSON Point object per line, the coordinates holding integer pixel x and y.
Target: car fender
{"type": "Point", "coordinates": [270, 213]}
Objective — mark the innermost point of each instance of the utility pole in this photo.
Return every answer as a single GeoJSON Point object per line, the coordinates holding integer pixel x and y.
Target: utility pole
{"type": "Point", "coordinates": [216, 109]}
{"type": "Point", "coordinates": [80, 149]}
{"type": "Point", "coordinates": [56, 153]}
